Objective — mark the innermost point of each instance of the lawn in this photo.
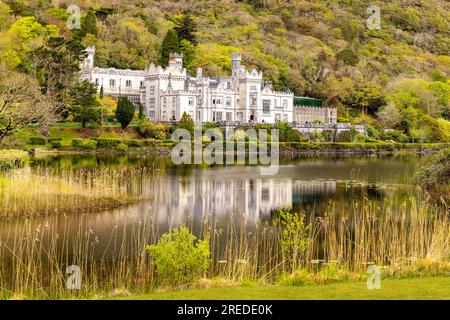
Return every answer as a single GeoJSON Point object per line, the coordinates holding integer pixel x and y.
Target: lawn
{"type": "Point", "coordinates": [423, 288]}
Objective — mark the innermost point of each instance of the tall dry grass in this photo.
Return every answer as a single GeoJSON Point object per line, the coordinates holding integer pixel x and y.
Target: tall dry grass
{"type": "Point", "coordinates": [34, 254]}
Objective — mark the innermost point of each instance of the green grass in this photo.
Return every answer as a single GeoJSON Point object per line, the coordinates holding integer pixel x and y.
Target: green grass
{"type": "Point", "coordinates": [420, 288]}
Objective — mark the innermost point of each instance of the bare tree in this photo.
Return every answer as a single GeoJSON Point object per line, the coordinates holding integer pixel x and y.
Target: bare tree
{"type": "Point", "coordinates": [22, 103]}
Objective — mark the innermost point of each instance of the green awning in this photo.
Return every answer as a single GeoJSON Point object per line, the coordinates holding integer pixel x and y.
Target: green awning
{"type": "Point", "coordinates": [309, 102]}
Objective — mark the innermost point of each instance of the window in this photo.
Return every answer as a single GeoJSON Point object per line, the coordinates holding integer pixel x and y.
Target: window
{"type": "Point", "coordinates": [265, 194]}
{"type": "Point", "coordinates": [228, 101]}
{"type": "Point", "coordinates": [253, 101]}
{"type": "Point", "coordinates": [174, 101]}
{"type": "Point", "coordinates": [152, 88]}
{"type": "Point", "coordinates": [191, 101]}
{"type": "Point", "coordinates": [277, 117]}
{"type": "Point", "coordinates": [142, 84]}
{"type": "Point", "coordinates": [164, 115]}
{"type": "Point", "coordinates": [219, 116]}
{"type": "Point", "coordinates": [285, 117]}
{"type": "Point", "coordinates": [266, 106]}
{"type": "Point", "coordinates": [253, 88]}
{"type": "Point", "coordinates": [112, 83]}
{"type": "Point", "coordinates": [152, 114]}
{"type": "Point", "coordinates": [164, 102]}
{"type": "Point", "coordinates": [239, 116]}
{"type": "Point", "coordinates": [219, 100]}
{"type": "Point", "coordinates": [128, 83]}
{"type": "Point", "coordinates": [151, 102]}
{"type": "Point", "coordinates": [96, 81]}
{"type": "Point", "coordinates": [229, 116]}
{"type": "Point", "coordinates": [173, 115]}
{"type": "Point", "coordinates": [285, 103]}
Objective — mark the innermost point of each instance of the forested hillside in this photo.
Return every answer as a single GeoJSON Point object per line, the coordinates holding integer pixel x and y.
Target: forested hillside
{"type": "Point", "coordinates": [387, 78]}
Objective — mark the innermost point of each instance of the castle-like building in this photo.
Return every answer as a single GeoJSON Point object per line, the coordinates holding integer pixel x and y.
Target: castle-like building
{"type": "Point", "coordinates": [167, 93]}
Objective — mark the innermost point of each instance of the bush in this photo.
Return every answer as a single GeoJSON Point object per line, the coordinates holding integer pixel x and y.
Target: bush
{"type": "Point", "coordinates": [345, 136]}
{"type": "Point", "coordinates": [107, 143]}
{"type": "Point", "coordinates": [394, 135]}
{"type": "Point", "coordinates": [55, 144]}
{"type": "Point", "coordinates": [150, 130]}
{"type": "Point", "coordinates": [90, 145]}
{"type": "Point", "coordinates": [436, 173]}
{"type": "Point", "coordinates": [179, 258]}
{"type": "Point", "coordinates": [134, 143]}
{"type": "Point", "coordinates": [10, 159]}
{"type": "Point", "coordinates": [122, 147]}
{"type": "Point", "coordinates": [76, 143]}
{"type": "Point", "coordinates": [38, 141]}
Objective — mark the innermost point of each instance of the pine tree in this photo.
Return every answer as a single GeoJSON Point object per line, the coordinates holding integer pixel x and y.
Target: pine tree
{"type": "Point", "coordinates": [124, 112]}
{"type": "Point", "coordinates": [170, 45]}
{"type": "Point", "coordinates": [89, 25]}
{"type": "Point", "coordinates": [186, 29]}
{"type": "Point", "coordinates": [187, 123]}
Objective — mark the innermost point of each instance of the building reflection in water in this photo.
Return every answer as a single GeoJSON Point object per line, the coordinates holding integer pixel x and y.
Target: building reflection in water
{"type": "Point", "coordinates": [198, 196]}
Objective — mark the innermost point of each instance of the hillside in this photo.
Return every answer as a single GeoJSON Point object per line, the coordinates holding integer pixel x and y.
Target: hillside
{"type": "Point", "coordinates": [321, 49]}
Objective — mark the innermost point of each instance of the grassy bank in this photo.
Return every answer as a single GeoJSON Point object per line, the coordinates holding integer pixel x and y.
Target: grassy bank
{"type": "Point", "coordinates": [10, 159]}
{"type": "Point", "coordinates": [30, 193]}
{"type": "Point", "coordinates": [401, 289]}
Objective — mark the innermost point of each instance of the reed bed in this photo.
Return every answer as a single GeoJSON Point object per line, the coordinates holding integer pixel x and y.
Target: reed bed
{"type": "Point", "coordinates": [408, 238]}
{"type": "Point", "coordinates": [41, 191]}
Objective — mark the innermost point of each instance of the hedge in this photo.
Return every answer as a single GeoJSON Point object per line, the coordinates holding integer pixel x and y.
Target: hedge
{"type": "Point", "coordinates": [38, 141]}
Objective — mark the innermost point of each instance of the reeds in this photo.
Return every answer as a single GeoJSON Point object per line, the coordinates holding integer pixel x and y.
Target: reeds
{"type": "Point", "coordinates": [394, 235]}
{"type": "Point", "coordinates": [41, 191]}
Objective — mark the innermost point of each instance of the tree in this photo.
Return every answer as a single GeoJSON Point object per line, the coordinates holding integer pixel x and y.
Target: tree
{"type": "Point", "coordinates": [187, 123]}
{"type": "Point", "coordinates": [186, 29]}
{"type": "Point", "coordinates": [56, 65]}
{"type": "Point", "coordinates": [170, 45]}
{"type": "Point", "coordinates": [124, 112]}
{"type": "Point", "coordinates": [348, 56]}
{"type": "Point", "coordinates": [89, 25]}
{"type": "Point", "coordinates": [389, 116]}
{"type": "Point", "coordinates": [22, 103]}
{"type": "Point", "coordinates": [85, 105]}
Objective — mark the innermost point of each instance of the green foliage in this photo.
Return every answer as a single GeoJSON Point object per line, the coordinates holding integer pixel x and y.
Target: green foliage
{"type": "Point", "coordinates": [149, 129]}
{"type": "Point", "coordinates": [435, 131]}
{"type": "Point", "coordinates": [122, 147]}
{"type": "Point", "coordinates": [55, 144]}
{"type": "Point", "coordinates": [89, 25]}
{"type": "Point", "coordinates": [345, 136]}
{"type": "Point", "coordinates": [86, 107]}
{"type": "Point", "coordinates": [169, 45]}
{"type": "Point", "coordinates": [77, 143]}
{"type": "Point", "coordinates": [10, 159]}
{"type": "Point", "coordinates": [38, 141]}
{"type": "Point", "coordinates": [107, 143]}
{"type": "Point", "coordinates": [435, 174]}
{"type": "Point", "coordinates": [186, 123]}
{"type": "Point", "coordinates": [90, 145]}
{"type": "Point", "coordinates": [186, 29]}
{"type": "Point", "coordinates": [294, 239]}
{"type": "Point", "coordinates": [179, 257]}
{"type": "Point", "coordinates": [124, 112]}
{"type": "Point", "coordinates": [348, 56]}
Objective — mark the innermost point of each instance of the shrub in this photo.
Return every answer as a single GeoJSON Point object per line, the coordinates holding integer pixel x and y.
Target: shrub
{"type": "Point", "coordinates": [179, 258]}
{"type": "Point", "coordinates": [360, 138]}
{"type": "Point", "coordinates": [436, 173]}
{"type": "Point", "coordinates": [345, 136]}
{"type": "Point", "coordinates": [122, 147]}
{"type": "Point", "coordinates": [10, 159]}
{"type": "Point", "coordinates": [134, 143]}
{"type": "Point", "coordinates": [107, 143]}
{"type": "Point", "coordinates": [148, 129]}
{"type": "Point", "coordinates": [90, 145]}
{"type": "Point", "coordinates": [294, 240]}
{"type": "Point", "coordinates": [38, 141]}
{"type": "Point", "coordinates": [55, 144]}
{"type": "Point", "coordinates": [77, 143]}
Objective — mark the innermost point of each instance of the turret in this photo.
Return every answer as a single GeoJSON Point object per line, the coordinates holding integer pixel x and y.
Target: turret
{"type": "Point", "coordinates": [176, 60]}
{"type": "Point", "coordinates": [235, 64]}
{"type": "Point", "coordinates": [88, 62]}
